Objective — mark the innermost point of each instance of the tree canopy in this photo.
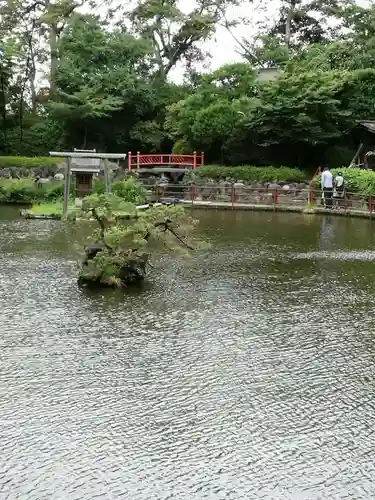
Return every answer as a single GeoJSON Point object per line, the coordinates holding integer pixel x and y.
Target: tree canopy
{"type": "Point", "coordinates": [71, 79]}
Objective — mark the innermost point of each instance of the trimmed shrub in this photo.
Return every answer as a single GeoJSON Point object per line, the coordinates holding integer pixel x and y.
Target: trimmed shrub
{"type": "Point", "coordinates": [27, 191]}
{"type": "Point", "coordinates": [250, 173]}
{"type": "Point", "coordinates": [357, 181]}
{"type": "Point", "coordinates": [26, 162]}
{"type": "Point", "coordinates": [131, 190]}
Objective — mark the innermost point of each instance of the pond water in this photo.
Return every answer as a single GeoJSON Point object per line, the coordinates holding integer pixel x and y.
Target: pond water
{"type": "Point", "coordinates": [246, 372]}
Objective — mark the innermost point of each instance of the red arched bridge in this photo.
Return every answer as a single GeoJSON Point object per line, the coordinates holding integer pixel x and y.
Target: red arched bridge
{"type": "Point", "coordinates": [139, 160]}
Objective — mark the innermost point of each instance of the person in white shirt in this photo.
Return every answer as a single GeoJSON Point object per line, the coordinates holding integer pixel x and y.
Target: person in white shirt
{"type": "Point", "coordinates": [339, 189]}
{"type": "Point", "coordinates": [327, 187]}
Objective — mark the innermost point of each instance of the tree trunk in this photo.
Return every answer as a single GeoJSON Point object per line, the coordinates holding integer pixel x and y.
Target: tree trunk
{"type": "Point", "coordinates": [84, 137]}
{"type": "Point", "coordinates": [3, 111]}
{"type": "Point", "coordinates": [33, 92]}
{"type": "Point", "coordinates": [32, 76]}
{"type": "Point", "coordinates": [21, 111]}
{"type": "Point", "coordinates": [288, 23]}
{"type": "Point", "coordinates": [54, 55]}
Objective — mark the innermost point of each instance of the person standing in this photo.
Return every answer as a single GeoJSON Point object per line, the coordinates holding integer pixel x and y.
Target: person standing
{"type": "Point", "coordinates": [339, 189]}
{"type": "Point", "coordinates": [327, 187]}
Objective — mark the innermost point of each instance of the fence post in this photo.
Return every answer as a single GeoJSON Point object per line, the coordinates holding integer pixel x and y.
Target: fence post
{"type": "Point", "coordinates": [138, 155]}
{"type": "Point", "coordinates": [202, 158]}
{"type": "Point", "coordinates": [275, 197]}
{"type": "Point", "coordinates": [195, 160]}
{"type": "Point", "coordinates": [129, 160]}
{"type": "Point", "coordinates": [233, 195]}
{"type": "Point", "coordinates": [370, 205]}
{"type": "Point", "coordinates": [67, 185]}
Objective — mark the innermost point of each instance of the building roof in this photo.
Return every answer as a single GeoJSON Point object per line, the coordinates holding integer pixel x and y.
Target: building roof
{"type": "Point", "coordinates": [267, 74]}
{"type": "Point", "coordinates": [368, 125]}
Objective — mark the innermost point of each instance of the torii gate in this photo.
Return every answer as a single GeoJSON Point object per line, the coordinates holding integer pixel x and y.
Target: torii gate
{"type": "Point", "coordinates": [86, 163]}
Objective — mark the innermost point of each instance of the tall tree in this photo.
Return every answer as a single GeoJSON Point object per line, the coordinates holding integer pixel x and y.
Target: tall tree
{"type": "Point", "coordinates": [176, 35]}
{"type": "Point", "coordinates": [38, 22]}
{"type": "Point", "coordinates": [298, 23]}
{"type": "Point", "coordinates": [102, 88]}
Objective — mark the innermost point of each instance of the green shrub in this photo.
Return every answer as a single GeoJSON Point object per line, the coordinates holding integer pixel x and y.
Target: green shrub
{"type": "Point", "coordinates": [98, 186]}
{"type": "Point", "coordinates": [17, 191]}
{"type": "Point", "coordinates": [26, 162]}
{"type": "Point", "coordinates": [27, 191]}
{"type": "Point", "coordinates": [181, 147]}
{"type": "Point", "coordinates": [357, 181]}
{"type": "Point", "coordinates": [251, 174]}
{"type": "Point", "coordinates": [130, 190]}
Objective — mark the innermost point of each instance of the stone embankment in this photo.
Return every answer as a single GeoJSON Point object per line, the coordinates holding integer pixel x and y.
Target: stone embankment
{"type": "Point", "coordinates": [248, 192]}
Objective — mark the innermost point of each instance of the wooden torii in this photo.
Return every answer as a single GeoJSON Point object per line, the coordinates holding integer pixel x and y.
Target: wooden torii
{"type": "Point", "coordinates": [85, 163]}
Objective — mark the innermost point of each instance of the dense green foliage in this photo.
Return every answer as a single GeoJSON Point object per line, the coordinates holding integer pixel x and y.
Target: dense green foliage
{"type": "Point", "coordinates": [26, 162]}
{"type": "Point", "coordinates": [25, 191]}
{"type": "Point", "coordinates": [250, 174]}
{"type": "Point", "coordinates": [126, 236]}
{"type": "Point", "coordinates": [127, 189]}
{"type": "Point", "coordinates": [109, 84]}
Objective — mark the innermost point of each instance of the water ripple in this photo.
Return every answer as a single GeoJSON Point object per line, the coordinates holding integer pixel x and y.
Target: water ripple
{"type": "Point", "coordinates": [240, 374]}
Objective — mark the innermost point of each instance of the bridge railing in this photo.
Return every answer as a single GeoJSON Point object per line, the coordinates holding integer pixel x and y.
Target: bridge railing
{"type": "Point", "coordinates": [139, 160]}
{"type": "Point", "coordinates": [233, 195]}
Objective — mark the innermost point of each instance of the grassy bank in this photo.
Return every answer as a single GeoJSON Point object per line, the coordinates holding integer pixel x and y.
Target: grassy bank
{"type": "Point", "coordinates": [49, 209]}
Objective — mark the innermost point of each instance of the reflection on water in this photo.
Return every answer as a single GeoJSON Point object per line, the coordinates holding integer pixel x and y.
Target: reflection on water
{"type": "Point", "coordinates": [243, 373]}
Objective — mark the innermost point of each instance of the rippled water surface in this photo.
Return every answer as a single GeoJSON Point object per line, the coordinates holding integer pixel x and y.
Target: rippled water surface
{"type": "Point", "coordinates": [246, 372]}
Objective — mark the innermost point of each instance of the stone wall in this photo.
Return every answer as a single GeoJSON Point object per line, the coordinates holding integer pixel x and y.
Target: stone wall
{"type": "Point", "coordinates": [249, 192]}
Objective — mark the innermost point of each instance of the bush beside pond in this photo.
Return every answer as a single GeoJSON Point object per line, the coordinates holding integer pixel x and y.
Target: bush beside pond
{"type": "Point", "coordinates": [248, 173]}
{"type": "Point", "coordinates": [129, 189]}
{"type": "Point", "coordinates": [26, 191]}
{"type": "Point", "coordinates": [29, 162]}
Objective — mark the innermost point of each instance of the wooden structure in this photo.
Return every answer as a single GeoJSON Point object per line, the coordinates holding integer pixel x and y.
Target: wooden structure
{"type": "Point", "coordinates": [364, 135]}
{"type": "Point", "coordinates": [84, 170]}
{"type": "Point", "coordinates": [84, 164]}
{"type": "Point", "coordinates": [139, 160]}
